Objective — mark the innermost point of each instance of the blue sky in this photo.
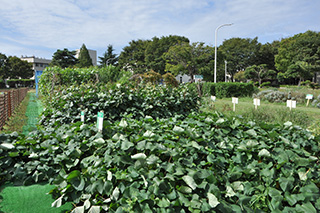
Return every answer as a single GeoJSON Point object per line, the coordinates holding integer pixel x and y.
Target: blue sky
{"type": "Point", "coordinates": [40, 27]}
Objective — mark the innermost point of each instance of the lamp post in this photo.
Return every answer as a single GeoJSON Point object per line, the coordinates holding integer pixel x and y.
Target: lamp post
{"type": "Point", "coordinates": [225, 70]}
{"type": "Point", "coordinates": [215, 50]}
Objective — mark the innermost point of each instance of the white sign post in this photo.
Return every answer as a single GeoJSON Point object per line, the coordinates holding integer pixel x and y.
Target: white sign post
{"type": "Point", "coordinates": [100, 121]}
{"type": "Point", "coordinates": [291, 104]}
{"type": "Point", "coordinates": [234, 101]}
{"type": "Point", "coordinates": [82, 116]}
{"type": "Point", "coordinates": [256, 102]}
{"type": "Point", "coordinates": [309, 97]}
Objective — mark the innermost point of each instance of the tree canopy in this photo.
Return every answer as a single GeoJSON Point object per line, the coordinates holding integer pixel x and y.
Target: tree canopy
{"type": "Point", "coordinates": [108, 58]}
{"type": "Point", "coordinates": [14, 68]}
{"type": "Point", "coordinates": [298, 56]}
{"type": "Point", "coordinates": [64, 58]}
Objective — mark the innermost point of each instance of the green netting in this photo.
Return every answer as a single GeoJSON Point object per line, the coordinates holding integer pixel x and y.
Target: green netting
{"type": "Point", "coordinates": [29, 199]}
{"type": "Point", "coordinates": [34, 198]}
{"type": "Point", "coordinates": [33, 111]}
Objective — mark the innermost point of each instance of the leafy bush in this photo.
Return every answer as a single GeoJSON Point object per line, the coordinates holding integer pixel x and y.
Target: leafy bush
{"type": "Point", "coordinates": [54, 77]}
{"type": "Point", "coordinates": [170, 80]}
{"type": "Point", "coordinates": [273, 96]}
{"type": "Point", "coordinates": [208, 88]}
{"type": "Point", "coordinates": [266, 84]}
{"type": "Point", "coordinates": [227, 90]}
{"type": "Point", "coordinates": [202, 163]}
{"type": "Point", "coordinates": [117, 100]}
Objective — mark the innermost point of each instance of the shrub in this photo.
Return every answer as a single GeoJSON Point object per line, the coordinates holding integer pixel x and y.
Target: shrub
{"type": "Point", "coordinates": [272, 96]}
{"type": "Point", "coordinates": [151, 77]}
{"type": "Point", "coordinates": [266, 84]}
{"type": "Point", "coordinates": [170, 80]}
{"type": "Point", "coordinates": [227, 90]}
{"type": "Point", "coordinates": [117, 100]}
{"type": "Point", "coordinates": [208, 88]}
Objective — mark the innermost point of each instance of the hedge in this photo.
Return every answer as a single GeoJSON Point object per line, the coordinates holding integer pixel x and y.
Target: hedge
{"type": "Point", "coordinates": [228, 89]}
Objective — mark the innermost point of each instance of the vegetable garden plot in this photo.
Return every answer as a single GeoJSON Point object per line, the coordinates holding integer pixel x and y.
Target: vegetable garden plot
{"type": "Point", "coordinates": [200, 163]}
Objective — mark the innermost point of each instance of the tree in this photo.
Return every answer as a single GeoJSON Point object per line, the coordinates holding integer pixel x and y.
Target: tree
{"type": "Point", "coordinates": [3, 66]}
{"type": "Point", "coordinates": [108, 58]}
{"type": "Point", "coordinates": [297, 55]}
{"type": "Point", "coordinates": [240, 53]}
{"type": "Point", "coordinates": [133, 56]}
{"type": "Point", "coordinates": [157, 48]}
{"type": "Point", "coordinates": [84, 59]}
{"type": "Point", "coordinates": [18, 68]}
{"type": "Point", "coordinates": [64, 58]}
{"type": "Point", "coordinates": [188, 59]}
{"type": "Point", "coordinates": [258, 72]}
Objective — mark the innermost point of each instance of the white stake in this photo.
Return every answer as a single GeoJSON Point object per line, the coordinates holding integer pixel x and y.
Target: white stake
{"type": "Point", "coordinates": [100, 121]}
{"type": "Point", "coordinates": [234, 101]}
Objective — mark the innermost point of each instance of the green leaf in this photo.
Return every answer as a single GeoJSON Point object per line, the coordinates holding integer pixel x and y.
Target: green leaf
{"type": "Point", "coordinates": [190, 181]}
{"type": "Point", "coordinates": [213, 201]}
{"type": "Point", "coordinates": [286, 184]}
{"type": "Point", "coordinates": [139, 156]}
{"type": "Point", "coordinates": [6, 146]}
{"type": "Point", "coordinates": [123, 123]}
{"type": "Point", "coordinates": [116, 194]}
{"type": "Point", "coordinates": [58, 202]}
{"type": "Point", "coordinates": [79, 209]}
{"type": "Point", "coordinates": [252, 132]}
{"type": "Point", "coordinates": [185, 190]}
{"type": "Point", "coordinates": [306, 207]}
{"type": "Point", "coordinates": [178, 129]}
{"type": "Point", "coordinates": [73, 174]}
{"type": "Point", "coordinates": [264, 153]}
{"type": "Point", "coordinates": [125, 145]}
{"type": "Point", "coordinates": [94, 209]}
{"type": "Point", "coordinates": [230, 192]}
{"type": "Point", "coordinates": [163, 203]}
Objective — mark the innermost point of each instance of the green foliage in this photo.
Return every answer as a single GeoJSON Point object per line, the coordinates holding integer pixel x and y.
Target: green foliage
{"type": "Point", "coordinates": [298, 56]}
{"type": "Point", "coordinates": [64, 58]}
{"type": "Point", "coordinates": [54, 77]}
{"type": "Point", "coordinates": [240, 53]}
{"type": "Point", "coordinates": [228, 89]}
{"type": "Point", "coordinates": [202, 163]}
{"type": "Point", "coordinates": [190, 59]}
{"type": "Point", "coordinates": [17, 68]}
{"type": "Point", "coordinates": [208, 88]}
{"type": "Point", "coordinates": [240, 76]}
{"type": "Point", "coordinates": [132, 58]}
{"type": "Point", "coordinates": [3, 66]}
{"type": "Point", "coordinates": [108, 58]}
{"type": "Point", "coordinates": [170, 80]}
{"type": "Point", "coordinates": [117, 100]}
{"type": "Point", "coordinates": [109, 74]}
{"type": "Point", "coordinates": [225, 90]}
{"type": "Point", "coordinates": [84, 59]}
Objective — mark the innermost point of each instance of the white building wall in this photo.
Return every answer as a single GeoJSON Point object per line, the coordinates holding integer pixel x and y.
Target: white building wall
{"type": "Point", "coordinates": [183, 78]}
{"type": "Point", "coordinates": [38, 64]}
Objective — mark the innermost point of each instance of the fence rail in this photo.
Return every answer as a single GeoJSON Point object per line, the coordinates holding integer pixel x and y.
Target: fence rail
{"type": "Point", "coordinates": [9, 101]}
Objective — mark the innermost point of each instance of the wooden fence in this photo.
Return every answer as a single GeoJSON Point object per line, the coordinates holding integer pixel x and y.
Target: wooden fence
{"type": "Point", "coordinates": [9, 100]}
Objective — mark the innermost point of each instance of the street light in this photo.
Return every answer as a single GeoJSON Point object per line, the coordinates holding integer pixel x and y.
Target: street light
{"type": "Point", "coordinates": [215, 50]}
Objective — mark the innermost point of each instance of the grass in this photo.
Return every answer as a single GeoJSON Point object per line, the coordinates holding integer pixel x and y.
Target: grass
{"type": "Point", "coordinates": [275, 113]}
{"type": "Point", "coordinates": [18, 119]}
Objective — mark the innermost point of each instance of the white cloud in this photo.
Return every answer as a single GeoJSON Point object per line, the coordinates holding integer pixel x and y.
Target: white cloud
{"type": "Point", "coordinates": [56, 24]}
